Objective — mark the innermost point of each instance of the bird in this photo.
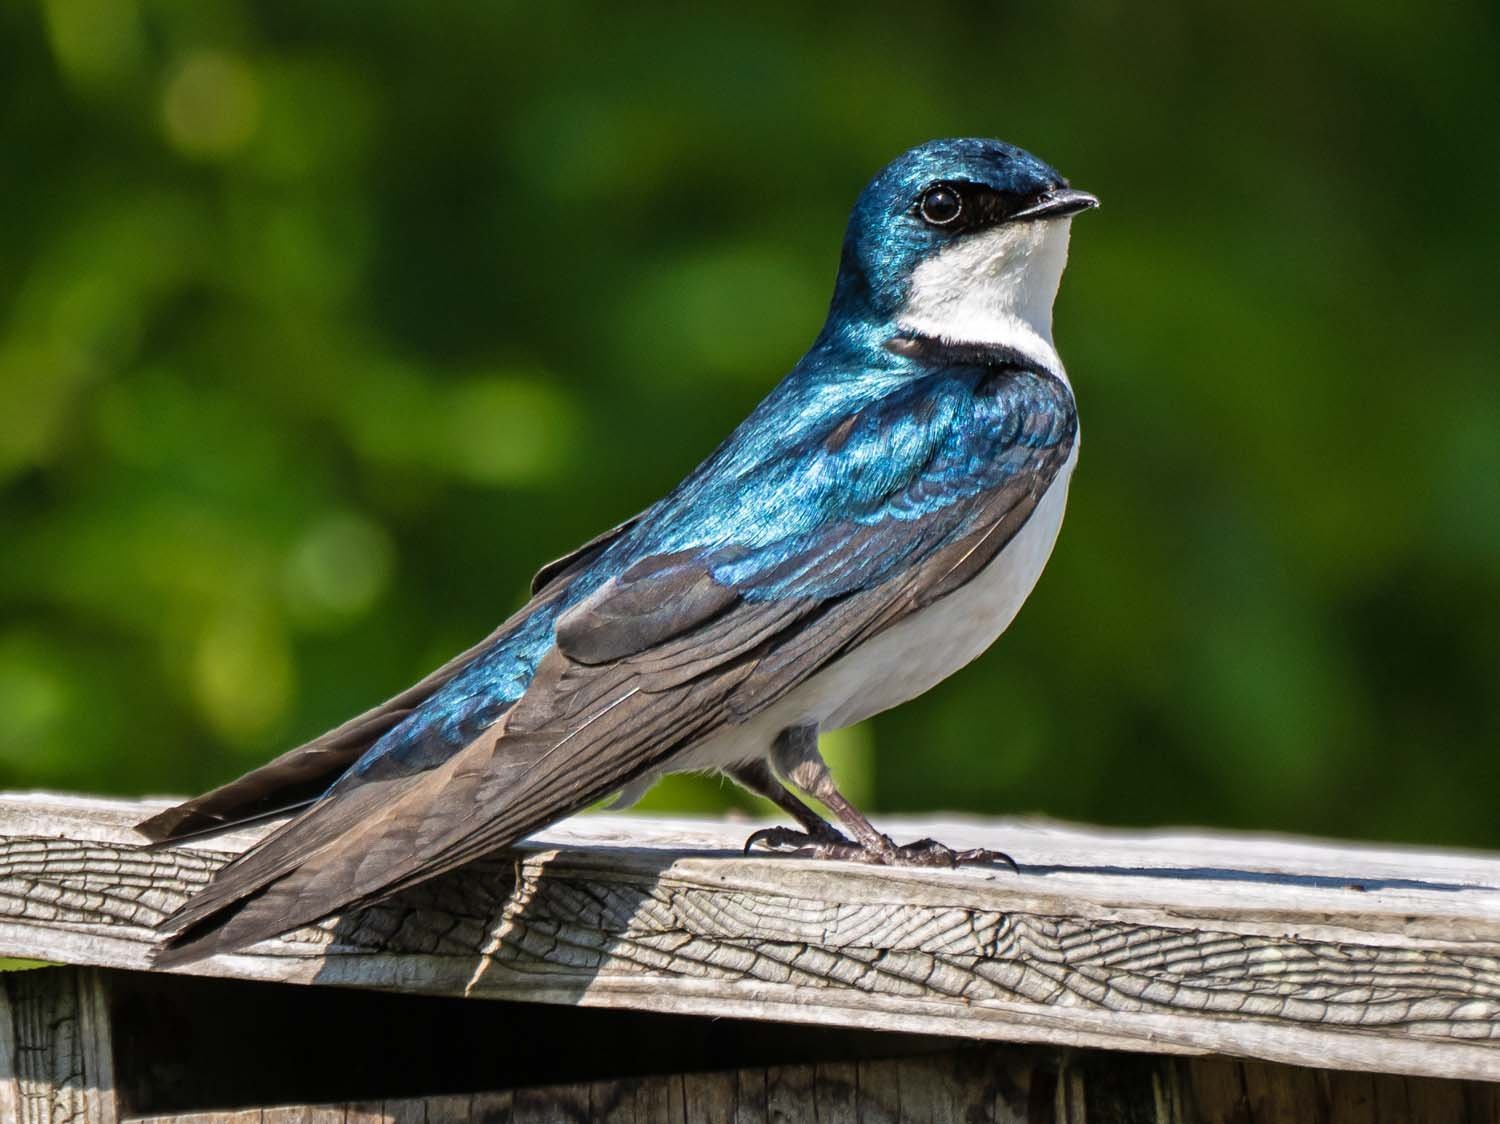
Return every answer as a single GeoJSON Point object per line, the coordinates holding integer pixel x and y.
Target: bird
{"type": "Point", "coordinates": [872, 526]}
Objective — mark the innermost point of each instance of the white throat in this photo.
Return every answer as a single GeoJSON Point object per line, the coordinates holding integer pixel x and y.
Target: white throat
{"type": "Point", "coordinates": [994, 288]}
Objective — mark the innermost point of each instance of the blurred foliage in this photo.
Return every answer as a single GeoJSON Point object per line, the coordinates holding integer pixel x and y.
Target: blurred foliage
{"type": "Point", "coordinates": [322, 324]}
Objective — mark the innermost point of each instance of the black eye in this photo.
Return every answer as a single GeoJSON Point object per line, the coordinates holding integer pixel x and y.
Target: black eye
{"type": "Point", "coordinates": [941, 206]}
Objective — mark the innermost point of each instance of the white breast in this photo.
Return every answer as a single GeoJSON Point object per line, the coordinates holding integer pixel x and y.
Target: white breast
{"type": "Point", "coordinates": [931, 645]}
{"type": "Point", "coordinates": [912, 656]}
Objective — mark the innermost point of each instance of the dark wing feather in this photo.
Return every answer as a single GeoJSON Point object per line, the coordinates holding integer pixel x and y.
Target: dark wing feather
{"type": "Point", "coordinates": [303, 773]}
{"type": "Point", "coordinates": [575, 560]}
{"type": "Point", "coordinates": [578, 734]}
{"type": "Point", "coordinates": [656, 600]}
{"type": "Point", "coordinates": [683, 645]}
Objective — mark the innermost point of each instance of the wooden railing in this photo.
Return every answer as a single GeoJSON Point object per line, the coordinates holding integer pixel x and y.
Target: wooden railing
{"type": "Point", "coordinates": [1305, 954]}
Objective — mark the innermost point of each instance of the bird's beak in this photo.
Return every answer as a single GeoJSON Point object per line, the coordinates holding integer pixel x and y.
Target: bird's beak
{"type": "Point", "coordinates": [1056, 204]}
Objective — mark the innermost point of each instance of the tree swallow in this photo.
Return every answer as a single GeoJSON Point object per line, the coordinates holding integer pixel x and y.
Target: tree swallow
{"type": "Point", "coordinates": [869, 529]}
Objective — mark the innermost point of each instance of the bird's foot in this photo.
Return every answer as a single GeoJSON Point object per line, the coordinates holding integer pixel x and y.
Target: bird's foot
{"type": "Point", "coordinates": [832, 845]}
{"type": "Point", "coordinates": [929, 852]}
{"type": "Point", "coordinates": [789, 839]}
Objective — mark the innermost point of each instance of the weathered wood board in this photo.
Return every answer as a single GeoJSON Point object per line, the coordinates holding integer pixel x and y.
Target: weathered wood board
{"type": "Point", "coordinates": [1307, 953]}
{"type": "Point", "coordinates": [56, 1061]}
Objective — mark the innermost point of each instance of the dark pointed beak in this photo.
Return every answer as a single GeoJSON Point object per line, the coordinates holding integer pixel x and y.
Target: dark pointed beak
{"type": "Point", "coordinates": [1056, 204]}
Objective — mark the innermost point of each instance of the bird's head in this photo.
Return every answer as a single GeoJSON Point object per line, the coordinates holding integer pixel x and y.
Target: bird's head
{"type": "Point", "coordinates": [958, 240]}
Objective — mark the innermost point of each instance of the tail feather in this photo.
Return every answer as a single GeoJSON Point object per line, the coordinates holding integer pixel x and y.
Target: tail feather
{"type": "Point", "coordinates": [289, 782]}
{"type": "Point", "coordinates": [294, 844]}
{"type": "Point", "coordinates": [207, 938]}
{"type": "Point", "coordinates": [373, 840]}
{"type": "Point", "coordinates": [213, 829]}
{"type": "Point", "coordinates": [303, 774]}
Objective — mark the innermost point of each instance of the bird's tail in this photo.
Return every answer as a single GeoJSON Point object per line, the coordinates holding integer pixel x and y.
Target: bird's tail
{"type": "Point", "coordinates": [301, 775]}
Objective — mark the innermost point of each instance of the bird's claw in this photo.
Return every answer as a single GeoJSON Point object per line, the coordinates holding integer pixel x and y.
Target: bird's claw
{"type": "Point", "coordinates": [929, 852]}
{"type": "Point", "coordinates": [832, 845]}
{"type": "Point", "coordinates": [799, 842]}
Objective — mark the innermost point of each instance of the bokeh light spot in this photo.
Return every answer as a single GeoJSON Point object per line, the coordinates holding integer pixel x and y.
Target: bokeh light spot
{"type": "Point", "coordinates": [37, 387]}
{"type": "Point", "coordinates": [35, 699]}
{"type": "Point", "coordinates": [508, 429]}
{"type": "Point", "coordinates": [742, 312]}
{"type": "Point", "coordinates": [211, 105]}
{"type": "Point", "coordinates": [243, 674]}
{"type": "Point", "coordinates": [96, 42]}
{"type": "Point", "coordinates": [338, 570]}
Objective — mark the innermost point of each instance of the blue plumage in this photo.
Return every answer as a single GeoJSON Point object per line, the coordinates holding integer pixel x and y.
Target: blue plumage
{"type": "Point", "coordinates": [773, 520]}
{"type": "Point", "coordinates": [893, 467]}
{"type": "Point", "coordinates": [774, 490]}
{"type": "Point", "coordinates": [885, 241]}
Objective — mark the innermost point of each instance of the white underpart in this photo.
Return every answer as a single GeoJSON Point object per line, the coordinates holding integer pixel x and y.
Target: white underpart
{"type": "Point", "coordinates": [910, 657]}
{"type": "Point", "coordinates": [995, 287]}
{"type": "Point", "coordinates": [992, 288]}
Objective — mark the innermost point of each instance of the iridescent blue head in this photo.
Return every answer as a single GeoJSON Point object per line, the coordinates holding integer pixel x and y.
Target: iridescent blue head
{"type": "Point", "coordinates": [963, 240]}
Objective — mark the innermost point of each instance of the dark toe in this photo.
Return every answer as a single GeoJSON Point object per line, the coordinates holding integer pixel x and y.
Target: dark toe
{"type": "Point", "coordinates": [929, 852]}
{"type": "Point", "coordinates": [779, 838]}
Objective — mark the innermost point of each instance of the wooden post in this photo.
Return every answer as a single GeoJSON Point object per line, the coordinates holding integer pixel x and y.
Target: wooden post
{"type": "Point", "coordinates": [56, 1061]}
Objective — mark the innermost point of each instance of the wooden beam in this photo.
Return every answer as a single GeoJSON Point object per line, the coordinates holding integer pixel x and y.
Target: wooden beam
{"type": "Point", "coordinates": [1377, 959]}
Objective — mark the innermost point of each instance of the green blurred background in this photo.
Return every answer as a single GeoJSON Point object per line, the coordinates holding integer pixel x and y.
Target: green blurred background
{"type": "Point", "coordinates": [322, 324]}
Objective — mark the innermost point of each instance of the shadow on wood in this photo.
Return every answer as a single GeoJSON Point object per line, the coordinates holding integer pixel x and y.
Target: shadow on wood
{"type": "Point", "coordinates": [184, 1043]}
{"type": "Point", "coordinates": [191, 1051]}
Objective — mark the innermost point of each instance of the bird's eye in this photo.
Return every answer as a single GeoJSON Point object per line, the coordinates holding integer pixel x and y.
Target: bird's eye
{"type": "Point", "coordinates": [941, 206]}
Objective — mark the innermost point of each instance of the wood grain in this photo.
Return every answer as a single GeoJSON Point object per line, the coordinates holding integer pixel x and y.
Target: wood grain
{"type": "Point", "coordinates": [1363, 958]}
{"type": "Point", "coordinates": [56, 1063]}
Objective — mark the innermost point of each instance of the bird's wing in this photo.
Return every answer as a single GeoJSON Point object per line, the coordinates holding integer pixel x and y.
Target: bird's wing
{"type": "Point", "coordinates": [570, 563]}
{"type": "Point", "coordinates": [302, 774]}
{"type": "Point", "coordinates": [299, 776]}
{"type": "Point", "coordinates": [841, 536]}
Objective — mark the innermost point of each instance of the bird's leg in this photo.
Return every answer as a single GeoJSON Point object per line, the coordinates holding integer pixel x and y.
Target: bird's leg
{"type": "Point", "coordinates": [796, 757]}
{"type": "Point", "coordinates": [758, 778]}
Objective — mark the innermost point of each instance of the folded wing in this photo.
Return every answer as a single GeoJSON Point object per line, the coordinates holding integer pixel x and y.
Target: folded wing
{"type": "Point", "coordinates": [854, 528]}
